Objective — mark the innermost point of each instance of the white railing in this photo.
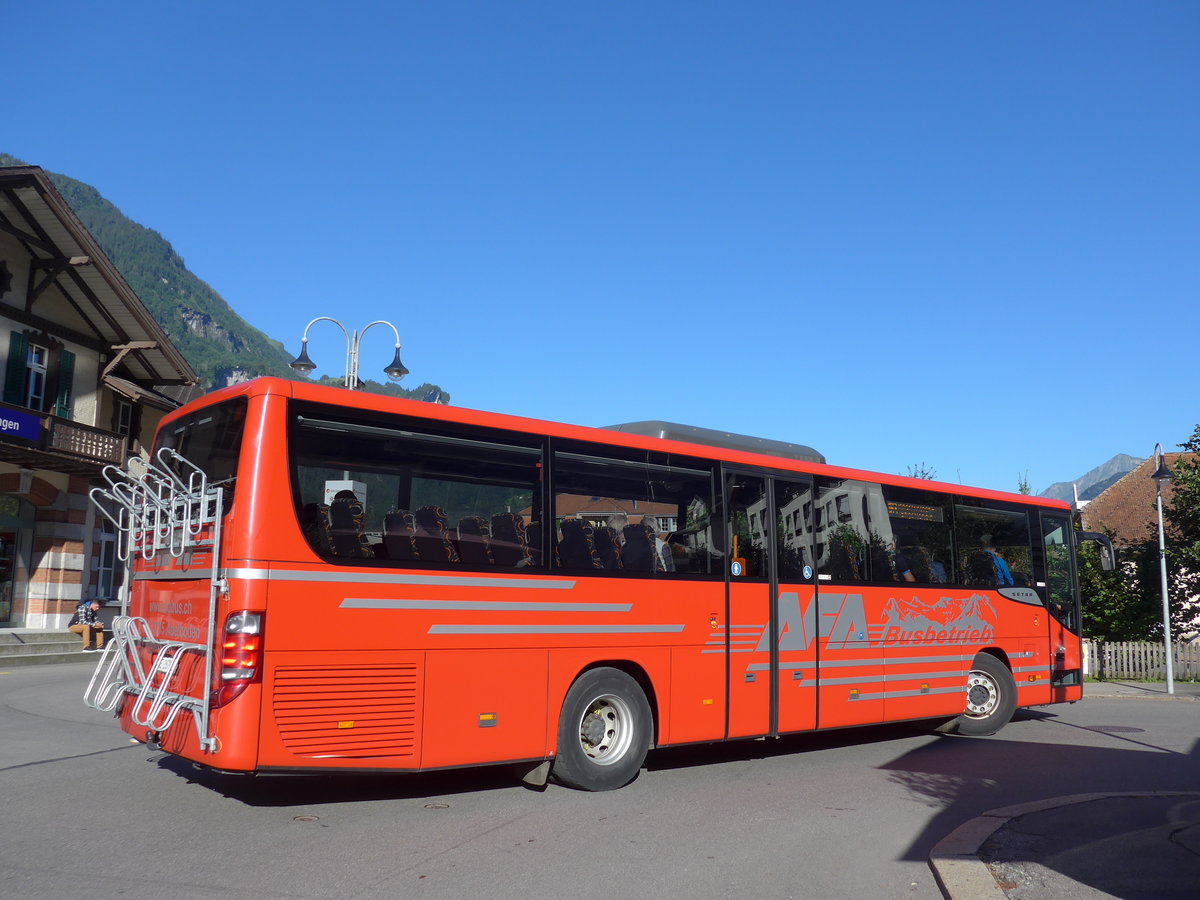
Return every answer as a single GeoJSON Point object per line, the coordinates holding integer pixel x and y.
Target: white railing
{"type": "Point", "coordinates": [1141, 660]}
{"type": "Point", "coordinates": [162, 510]}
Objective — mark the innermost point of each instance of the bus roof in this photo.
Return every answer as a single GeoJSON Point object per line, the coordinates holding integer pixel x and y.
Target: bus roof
{"type": "Point", "coordinates": [710, 437]}
{"type": "Point", "coordinates": [648, 435]}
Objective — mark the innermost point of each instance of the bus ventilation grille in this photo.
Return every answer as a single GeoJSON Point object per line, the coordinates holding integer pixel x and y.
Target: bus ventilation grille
{"type": "Point", "coordinates": [347, 712]}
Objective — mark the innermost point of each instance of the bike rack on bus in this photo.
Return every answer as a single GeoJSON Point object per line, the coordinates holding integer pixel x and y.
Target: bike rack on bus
{"type": "Point", "coordinates": [165, 508]}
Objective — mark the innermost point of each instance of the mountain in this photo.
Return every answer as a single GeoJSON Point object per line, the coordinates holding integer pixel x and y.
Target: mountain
{"type": "Point", "coordinates": [219, 344]}
{"type": "Point", "coordinates": [1095, 482]}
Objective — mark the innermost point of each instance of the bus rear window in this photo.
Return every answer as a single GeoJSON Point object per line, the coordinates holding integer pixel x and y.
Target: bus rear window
{"type": "Point", "coordinates": [210, 438]}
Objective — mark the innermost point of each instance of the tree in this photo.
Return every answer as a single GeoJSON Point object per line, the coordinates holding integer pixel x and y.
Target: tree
{"type": "Point", "coordinates": [1115, 605]}
{"type": "Point", "coordinates": [1023, 483]}
{"type": "Point", "coordinates": [920, 470]}
{"type": "Point", "coordinates": [1181, 517]}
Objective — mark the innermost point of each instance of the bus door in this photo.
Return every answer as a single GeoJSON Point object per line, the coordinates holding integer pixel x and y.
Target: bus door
{"type": "Point", "coordinates": [771, 610]}
{"type": "Point", "coordinates": [1062, 601]}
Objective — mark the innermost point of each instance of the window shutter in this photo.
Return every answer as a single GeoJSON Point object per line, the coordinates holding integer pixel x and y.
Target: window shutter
{"type": "Point", "coordinates": [66, 375]}
{"type": "Point", "coordinates": [14, 378]}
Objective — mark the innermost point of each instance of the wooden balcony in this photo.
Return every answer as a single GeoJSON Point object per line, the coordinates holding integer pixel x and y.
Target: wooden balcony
{"type": "Point", "coordinates": [41, 441]}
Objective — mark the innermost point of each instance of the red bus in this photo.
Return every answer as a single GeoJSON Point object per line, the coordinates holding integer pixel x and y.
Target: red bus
{"type": "Point", "coordinates": [325, 580]}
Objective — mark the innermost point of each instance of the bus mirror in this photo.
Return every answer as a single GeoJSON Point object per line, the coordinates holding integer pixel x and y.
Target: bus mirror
{"type": "Point", "coordinates": [1108, 553]}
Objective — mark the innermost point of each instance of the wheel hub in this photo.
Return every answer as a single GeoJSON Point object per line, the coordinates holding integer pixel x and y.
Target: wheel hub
{"type": "Point", "coordinates": [982, 695]}
{"type": "Point", "coordinates": [592, 729]}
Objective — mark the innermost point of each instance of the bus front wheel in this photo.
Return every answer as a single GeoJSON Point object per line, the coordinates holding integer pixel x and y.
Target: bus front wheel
{"type": "Point", "coordinates": [603, 732]}
{"type": "Point", "coordinates": [991, 698]}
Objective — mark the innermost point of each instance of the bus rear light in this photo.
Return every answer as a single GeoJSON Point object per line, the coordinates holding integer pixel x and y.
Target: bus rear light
{"type": "Point", "coordinates": [240, 655]}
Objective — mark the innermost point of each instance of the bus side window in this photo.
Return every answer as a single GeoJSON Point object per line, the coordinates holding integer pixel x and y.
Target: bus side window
{"type": "Point", "coordinates": [646, 517]}
{"type": "Point", "coordinates": [920, 525]}
{"type": "Point", "coordinates": [854, 535]}
{"type": "Point", "coordinates": [412, 496]}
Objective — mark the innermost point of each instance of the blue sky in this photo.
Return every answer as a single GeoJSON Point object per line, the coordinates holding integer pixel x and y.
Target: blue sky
{"type": "Point", "coordinates": [958, 234]}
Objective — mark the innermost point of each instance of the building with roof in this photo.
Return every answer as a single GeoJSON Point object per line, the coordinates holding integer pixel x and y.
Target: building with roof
{"type": "Point", "coordinates": [84, 367]}
{"type": "Point", "coordinates": [1128, 507]}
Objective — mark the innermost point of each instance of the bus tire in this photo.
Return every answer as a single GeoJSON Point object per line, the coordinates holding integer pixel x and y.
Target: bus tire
{"type": "Point", "coordinates": [603, 732]}
{"type": "Point", "coordinates": [991, 698]}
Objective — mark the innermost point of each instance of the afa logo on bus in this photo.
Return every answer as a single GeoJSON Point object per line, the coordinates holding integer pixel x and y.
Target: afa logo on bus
{"type": "Point", "coordinates": [842, 619]}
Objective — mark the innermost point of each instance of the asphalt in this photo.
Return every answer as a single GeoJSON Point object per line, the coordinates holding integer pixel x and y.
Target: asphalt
{"type": "Point", "coordinates": [1125, 845]}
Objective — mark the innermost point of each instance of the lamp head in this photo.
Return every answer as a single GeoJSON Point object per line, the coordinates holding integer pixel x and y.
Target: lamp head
{"type": "Point", "coordinates": [1163, 473]}
{"type": "Point", "coordinates": [302, 363]}
{"type": "Point", "coordinates": [395, 371]}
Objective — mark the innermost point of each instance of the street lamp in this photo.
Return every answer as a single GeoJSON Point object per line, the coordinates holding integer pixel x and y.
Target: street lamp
{"type": "Point", "coordinates": [304, 365]}
{"type": "Point", "coordinates": [1162, 474]}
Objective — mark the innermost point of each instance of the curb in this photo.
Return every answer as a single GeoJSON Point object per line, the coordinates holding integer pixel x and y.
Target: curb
{"type": "Point", "coordinates": [957, 868]}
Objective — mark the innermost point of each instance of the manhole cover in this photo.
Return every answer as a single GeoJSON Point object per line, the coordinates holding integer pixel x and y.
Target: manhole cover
{"type": "Point", "coordinates": [306, 818]}
{"type": "Point", "coordinates": [1115, 729]}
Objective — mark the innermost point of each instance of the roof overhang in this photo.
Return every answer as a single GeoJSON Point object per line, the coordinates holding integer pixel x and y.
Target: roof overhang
{"type": "Point", "coordinates": [139, 394]}
{"type": "Point", "coordinates": [64, 254]}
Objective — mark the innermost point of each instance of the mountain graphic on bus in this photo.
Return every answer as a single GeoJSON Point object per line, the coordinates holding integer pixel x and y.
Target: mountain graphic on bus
{"type": "Point", "coordinates": [975, 611]}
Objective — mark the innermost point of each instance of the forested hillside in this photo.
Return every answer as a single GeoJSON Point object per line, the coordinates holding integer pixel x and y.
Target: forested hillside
{"type": "Point", "coordinates": [220, 345]}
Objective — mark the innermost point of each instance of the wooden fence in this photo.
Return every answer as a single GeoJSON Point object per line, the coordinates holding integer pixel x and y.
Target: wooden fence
{"type": "Point", "coordinates": [1141, 660]}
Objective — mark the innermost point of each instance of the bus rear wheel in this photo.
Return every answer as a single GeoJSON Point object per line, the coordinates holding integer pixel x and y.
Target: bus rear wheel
{"type": "Point", "coordinates": [603, 732]}
{"type": "Point", "coordinates": [991, 698]}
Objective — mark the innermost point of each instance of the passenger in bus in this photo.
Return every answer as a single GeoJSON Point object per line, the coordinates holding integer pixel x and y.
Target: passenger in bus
{"type": "Point", "coordinates": [617, 522]}
{"type": "Point", "coordinates": [1003, 575]}
{"type": "Point", "coordinates": [912, 563]}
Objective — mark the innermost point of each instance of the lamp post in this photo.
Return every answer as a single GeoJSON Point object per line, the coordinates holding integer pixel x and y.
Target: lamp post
{"type": "Point", "coordinates": [1162, 474]}
{"type": "Point", "coordinates": [302, 364]}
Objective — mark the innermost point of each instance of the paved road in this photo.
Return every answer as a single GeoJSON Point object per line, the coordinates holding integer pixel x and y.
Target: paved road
{"type": "Point", "coordinates": [847, 814]}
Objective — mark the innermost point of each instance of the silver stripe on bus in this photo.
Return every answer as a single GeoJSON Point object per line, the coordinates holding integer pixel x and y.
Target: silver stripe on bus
{"type": "Point", "coordinates": [894, 678]}
{"type": "Point", "coordinates": [862, 679]}
{"type": "Point", "coordinates": [843, 663]}
{"type": "Point", "coordinates": [555, 629]}
{"type": "Point", "coordinates": [1030, 668]}
{"type": "Point", "coordinates": [476, 605]}
{"type": "Point", "coordinates": [895, 695]}
{"type": "Point", "coordinates": [481, 581]}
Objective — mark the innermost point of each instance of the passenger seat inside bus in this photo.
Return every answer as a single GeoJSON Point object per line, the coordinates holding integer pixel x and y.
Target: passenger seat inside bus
{"type": "Point", "coordinates": [347, 527]}
{"type": "Point", "coordinates": [399, 530]}
{"type": "Point", "coordinates": [474, 541]}
{"type": "Point", "coordinates": [533, 541]}
{"type": "Point", "coordinates": [432, 538]}
{"type": "Point", "coordinates": [639, 551]}
{"type": "Point", "coordinates": [980, 570]}
{"type": "Point", "coordinates": [576, 549]}
{"type": "Point", "coordinates": [510, 546]}
{"type": "Point", "coordinates": [314, 525]}
{"type": "Point", "coordinates": [607, 547]}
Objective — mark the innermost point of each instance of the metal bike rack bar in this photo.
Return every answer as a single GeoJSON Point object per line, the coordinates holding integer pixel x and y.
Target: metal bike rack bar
{"type": "Point", "coordinates": [164, 508]}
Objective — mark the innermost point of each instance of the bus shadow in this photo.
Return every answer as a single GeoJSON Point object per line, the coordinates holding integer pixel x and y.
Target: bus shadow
{"type": "Point", "coordinates": [286, 790]}
{"type": "Point", "coordinates": [696, 755]}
